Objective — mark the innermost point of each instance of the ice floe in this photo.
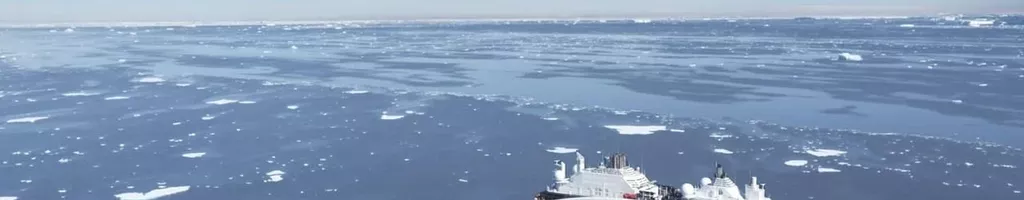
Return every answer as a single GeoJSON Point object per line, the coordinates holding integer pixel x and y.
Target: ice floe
{"type": "Point", "coordinates": [292, 107]}
{"type": "Point", "coordinates": [153, 194]}
{"type": "Point", "coordinates": [827, 170]}
{"type": "Point", "coordinates": [551, 118]}
{"type": "Point", "coordinates": [723, 151]}
{"type": "Point", "coordinates": [562, 150]}
{"type": "Point", "coordinates": [26, 119]}
{"type": "Point", "coordinates": [208, 117]}
{"type": "Point", "coordinates": [116, 98]}
{"type": "Point", "coordinates": [391, 117]}
{"type": "Point", "coordinates": [463, 180]}
{"type": "Point", "coordinates": [16, 198]}
{"type": "Point", "coordinates": [796, 163]}
{"type": "Point", "coordinates": [357, 92]}
{"type": "Point", "coordinates": [720, 135]}
{"type": "Point", "coordinates": [274, 176]}
{"type": "Point", "coordinates": [246, 102]}
{"type": "Point", "coordinates": [825, 152]}
{"type": "Point", "coordinates": [150, 79]}
{"type": "Point", "coordinates": [79, 94]}
{"type": "Point", "coordinates": [850, 57]}
{"type": "Point", "coordinates": [636, 130]}
{"type": "Point", "coordinates": [677, 130]}
{"type": "Point", "coordinates": [222, 101]}
{"type": "Point", "coordinates": [194, 155]}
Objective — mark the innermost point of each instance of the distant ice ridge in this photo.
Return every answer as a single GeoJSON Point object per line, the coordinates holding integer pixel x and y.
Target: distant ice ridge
{"type": "Point", "coordinates": [636, 130]}
{"type": "Point", "coordinates": [562, 150]}
{"type": "Point", "coordinates": [850, 57]}
{"type": "Point", "coordinates": [153, 194]}
{"type": "Point", "coordinates": [825, 152]}
{"type": "Point", "coordinates": [26, 119]}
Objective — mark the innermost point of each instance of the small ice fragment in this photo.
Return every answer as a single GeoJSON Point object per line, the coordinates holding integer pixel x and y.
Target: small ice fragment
{"type": "Point", "coordinates": [64, 160]}
{"type": "Point", "coordinates": [222, 102]}
{"type": "Point", "coordinates": [723, 151]}
{"type": "Point", "coordinates": [907, 25]}
{"type": "Point", "coordinates": [246, 102]}
{"type": "Point", "coordinates": [153, 194]}
{"type": "Point", "coordinates": [551, 118]}
{"type": "Point", "coordinates": [463, 180]}
{"type": "Point", "coordinates": [122, 60]}
{"type": "Point", "coordinates": [827, 170]}
{"type": "Point", "coordinates": [357, 92]}
{"type": "Point", "coordinates": [796, 163]}
{"type": "Point", "coordinates": [294, 47]}
{"type": "Point", "coordinates": [293, 107]}
{"type": "Point", "coordinates": [957, 101]}
{"type": "Point", "coordinates": [677, 130]}
{"type": "Point", "coordinates": [116, 98]}
{"type": "Point", "coordinates": [26, 120]}
{"type": "Point", "coordinates": [275, 176]}
{"type": "Point", "coordinates": [150, 79]}
{"type": "Point", "coordinates": [208, 117]}
{"type": "Point", "coordinates": [193, 155]}
{"type": "Point", "coordinates": [562, 150]}
{"type": "Point", "coordinates": [850, 57]}
{"type": "Point", "coordinates": [825, 152]}
{"type": "Point", "coordinates": [391, 117]}
{"type": "Point", "coordinates": [79, 94]}
{"type": "Point", "coordinates": [635, 130]}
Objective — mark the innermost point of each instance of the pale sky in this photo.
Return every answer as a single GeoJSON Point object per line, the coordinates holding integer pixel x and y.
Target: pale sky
{"type": "Point", "coordinates": [227, 10]}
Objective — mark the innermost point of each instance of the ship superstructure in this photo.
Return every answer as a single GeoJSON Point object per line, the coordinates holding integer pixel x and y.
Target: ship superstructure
{"type": "Point", "coordinates": [615, 179]}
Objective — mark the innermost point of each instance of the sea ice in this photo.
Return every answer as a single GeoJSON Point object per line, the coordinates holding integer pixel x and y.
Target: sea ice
{"type": "Point", "coordinates": [825, 152]}
{"type": "Point", "coordinates": [463, 180]}
{"type": "Point", "coordinates": [222, 102]}
{"type": "Point", "coordinates": [850, 57]}
{"type": "Point", "coordinates": [26, 120]}
{"type": "Point", "coordinates": [723, 151]}
{"type": "Point", "coordinates": [116, 98]}
{"type": "Point", "coordinates": [246, 102]}
{"type": "Point", "coordinates": [16, 198]}
{"type": "Point", "coordinates": [357, 92]}
{"type": "Point", "coordinates": [274, 176]}
{"type": "Point", "coordinates": [551, 118]}
{"type": "Point", "coordinates": [151, 79]}
{"type": "Point", "coordinates": [796, 163]}
{"type": "Point", "coordinates": [293, 107]}
{"type": "Point", "coordinates": [562, 150]}
{"type": "Point", "coordinates": [208, 117]}
{"type": "Point", "coordinates": [827, 170]}
{"type": "Point", "coordinates": [194, 155]}
{"type": "Point", "coordinates": [636, 130]}
{"type": "Point", "coordinates": [153, 194]}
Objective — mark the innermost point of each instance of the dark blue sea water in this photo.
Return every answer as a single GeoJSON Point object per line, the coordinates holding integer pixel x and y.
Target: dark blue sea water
{"type": "Point", "coordinates": [478, 110]}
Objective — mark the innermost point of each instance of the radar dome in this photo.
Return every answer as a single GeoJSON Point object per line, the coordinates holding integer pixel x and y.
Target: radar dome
{"type": "Point", "coordinates": [688, 189]}
{"type": "Point", "coordinates": [705, 181]}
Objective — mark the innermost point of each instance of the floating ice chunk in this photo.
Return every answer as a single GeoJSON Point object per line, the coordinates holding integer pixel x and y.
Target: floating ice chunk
{"type": "Point", "coordinates": [69, 30]}
{"type": "Point", "coordinates": [150, 79]}
{"type": "Point", "coordinates": [64, 160]}
{"type": "Point", "coordinates": [79, 94]}
{"type": "Point", "coordinates": [720, 135]}
{"type": "Point", "coordinates": [357, 92]}
{"type": "Point", "coordinates": [551, 118]}
{"type": "Point", "coordinates": [391, 117]}
{"type": "Point", "coordinates": [293, 107]}
{"type": "Point", "coordinates": [677, 130]}
{"type": "Point", "coordinates": [26, 120]}
{"type": "Point", "coordinates": [153, 194]}
{"type": "Point", "coordinates": [825, 152]}
{"type": "Point", "coordinates": [850, 57]}
{"type": "Point", "coordinates": [635, 130]}
{"type": "Point", "coordinates": [122, 60]}
{"type": "Point", "coordinates": [274, 176]}
{"type": "Point", "coordinates": [957, 101]}
{"type": "Point", "coordinates": [827, 170]}
{"type": "Point", "coordinates": [116, 98]}
{"type": "Point", "coordinates": [183, 84]}
{"type": "Point", "coordinates": [194, 155]}
{"type": "Point", "coordinates": [16, 198]}
{"type": "Point", "coordinates": [562, 150]}
{"type": "Point", "coordinates": [723, 151]}
{"type": "Point", "coordinates": [796, 163]}
{"type": "Point", "coordinates": [222, 101]}
{"type": "Point", "coordinates": [208, 117]}
{"type": "Point", "coordinates": [463, 180]}
{"type": "Point", "coordinates": [246, 102]}
{"type": "Point", "coordinates": [907, 25]}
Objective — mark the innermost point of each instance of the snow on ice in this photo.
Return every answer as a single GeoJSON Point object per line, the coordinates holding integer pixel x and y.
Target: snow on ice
{"type": "Point", "coordinates": [636, 130]}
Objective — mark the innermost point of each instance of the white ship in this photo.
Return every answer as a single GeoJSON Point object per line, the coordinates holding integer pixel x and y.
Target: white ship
{"type": "Point", "coordinates": [615, 179]}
